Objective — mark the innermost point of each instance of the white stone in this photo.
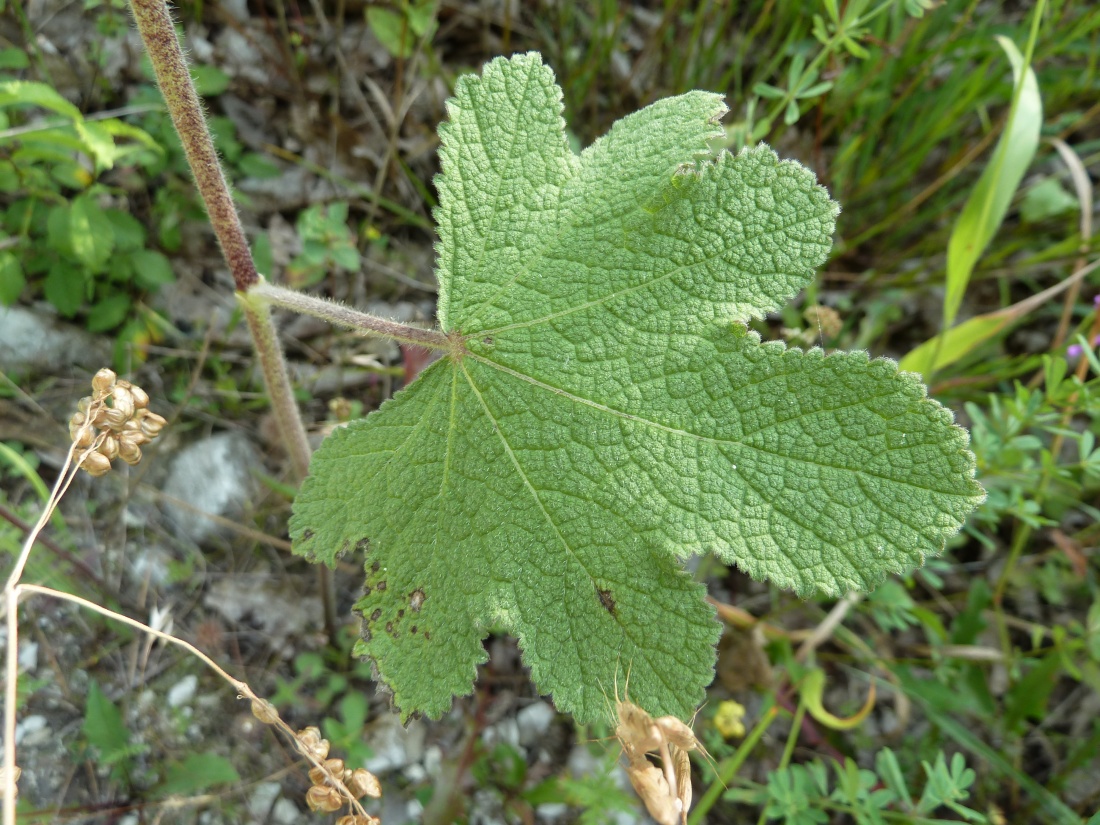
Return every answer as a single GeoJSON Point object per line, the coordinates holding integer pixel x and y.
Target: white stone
{"type": "Point", "coordinates": [533, 722]}
{"type": "Point", "coordinates": [183, 691]}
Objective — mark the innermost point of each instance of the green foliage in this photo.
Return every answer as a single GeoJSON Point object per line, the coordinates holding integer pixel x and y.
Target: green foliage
{"type": "Point", "coordinates": [806, 794]}
{"type": "Point", "coordinates": [602, 413]}
{"type": "Point", "coordinates": [597, 794]}
{"type": "Point", "coordinates": [108, 735]}
{"type": "Point", "coordinates": [327, 244]}
{"type": "Point", "coordinates": [320, 682]}
{"type": "Point", "coordinates": [399, 30]}
{"type": "Point", "coordinates": [194, 774]}
{"type": "Point", "coordinates": [1012, 437]}
{"type": "Point", "coordinates": [82, 254]}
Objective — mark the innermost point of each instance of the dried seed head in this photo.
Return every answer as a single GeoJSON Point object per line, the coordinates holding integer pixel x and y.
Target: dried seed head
{"type": "Point", "coordinates": [264, 711]}
{"type": "Point", "coordinates": [151, 424]}
{"type": "Point", "coordinates": [109, 447]}
{"type": "Point", "coordinates": [123, 401]}
{"type": "Point", "coordinates": [333, 767]}
{"type": "Point", "coordinates": [324, 798]}
{"type": "Point", "coordinates": [363, 783]}
{"type": "Point", "coordinates": [96, 464]}
{"type": "Point", "coordinates": [128, 451]}
{"type": "Point", "coordinates": [83, 404]}
{"type": "Point", "coordinates": [99, 415]}
{"type": "Point", "coordinates": [312, 744]}
{"type": "Point", "coordinates": [141, 397]}
{"type": "Point", "coordinates": [131, 431]}
{"type": "Point", "coordinates": [103, 380]}
{"type": "Point", "coordinates": [358, 820]}
{"type": "Point", "coordinates": [84, 437]}
{"type": "Point", "coordinates": [114, 419]}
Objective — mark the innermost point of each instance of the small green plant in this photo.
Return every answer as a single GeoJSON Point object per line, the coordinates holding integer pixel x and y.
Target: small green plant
{"type": "Point", "coordinates": [82, 254]}
{"type": "Point", "coordinates": [400, 29]}
{"type": "Point", "coordinates": [327, 245]}
{"type": "Point", "coordinates": [803, 794]}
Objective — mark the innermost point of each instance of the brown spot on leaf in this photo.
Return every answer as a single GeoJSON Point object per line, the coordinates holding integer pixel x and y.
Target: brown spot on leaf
{"type": "Point", "coordinates": [366, 590]}
{"type": "Point", "coordinates": [374, 567]}
{"type": "Point", "coordinates": [487, 340]}
{"type": "Point", "coordinates": [412, 629]}
{"type": "Point", "coordinates": [381, 586]}
{"type": "Point", "coordinates": [389, 627]}
{"type": "Point", "coordinates": [427, 635]}
{"type": "Point", "coordinates": [307, 534]}
{"type": "Point", "coordinates": [400, 614]}
{"type": "Point", "coordinates": [363, 545]}
{"type": "Point", "coordinates": [607, 600]}
{"type": "Point", "coordinates": [376, 615]}
{"type": "Point", "coordinates": [416, 599]}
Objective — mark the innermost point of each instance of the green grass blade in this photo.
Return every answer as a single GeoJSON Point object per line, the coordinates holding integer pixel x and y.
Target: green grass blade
{"type": "Point", "coordinates": [986, 207]}
{"type": "Point", "coordinates": [951, 345]}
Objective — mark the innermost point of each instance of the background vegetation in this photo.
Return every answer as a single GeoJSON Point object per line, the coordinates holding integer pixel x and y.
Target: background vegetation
{"type": "Point", "coordinates": [986, 662]}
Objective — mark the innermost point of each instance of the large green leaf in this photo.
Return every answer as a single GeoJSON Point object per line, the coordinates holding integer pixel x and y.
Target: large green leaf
{"type": "Point", "coordinates": [603, 413]}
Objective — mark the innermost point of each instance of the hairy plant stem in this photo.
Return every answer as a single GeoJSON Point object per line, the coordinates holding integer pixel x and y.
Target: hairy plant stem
{"type": "Point", "coordinates": [159, 36]}
{"type": "Point", "coordinates": [352, 318]}
{"type": "Point", "coordinates": [154, 22]}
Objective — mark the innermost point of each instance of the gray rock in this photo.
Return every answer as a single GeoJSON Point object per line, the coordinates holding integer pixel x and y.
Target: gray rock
{"type": "Point", "coordinates": [271, 603]}
{"type": "Point", "coordinates": [37, 341]}
{"type": "Point", "coordinates": [212, 476]}
{"type": "Point", "coordinates": [183, 691]}
{"type": "Point", "coordinates": [533, 722]}
{"type": "Point", "coordinates": [393, 746]}
{"type": "Point", "coordinates": [268, 807]}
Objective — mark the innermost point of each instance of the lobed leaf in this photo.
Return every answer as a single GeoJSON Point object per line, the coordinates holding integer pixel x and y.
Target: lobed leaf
{"type": "Point", "coordinates": [604, 412]}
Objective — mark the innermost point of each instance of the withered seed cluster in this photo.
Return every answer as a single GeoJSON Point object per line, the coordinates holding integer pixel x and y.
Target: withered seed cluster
{"type": "Point", "coordinates": [115, 421]}
{"type": "Point", "coordinates": [323, 795]}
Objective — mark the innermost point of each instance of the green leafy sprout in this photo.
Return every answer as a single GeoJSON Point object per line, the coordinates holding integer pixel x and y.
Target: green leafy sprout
{"type": "Point", "coordinates": [601, 412]}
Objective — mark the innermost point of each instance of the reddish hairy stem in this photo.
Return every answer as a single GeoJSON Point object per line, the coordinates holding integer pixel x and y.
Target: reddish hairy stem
{"type": "Point", "coordinates": [159, 35]}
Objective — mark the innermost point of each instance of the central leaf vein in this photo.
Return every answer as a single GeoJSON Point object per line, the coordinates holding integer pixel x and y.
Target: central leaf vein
{"type": "Point", "coordinates": [721, 442]}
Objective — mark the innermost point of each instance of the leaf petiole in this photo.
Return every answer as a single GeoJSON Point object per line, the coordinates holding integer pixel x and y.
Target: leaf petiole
{"type": "Point", "coordinates": [345, 316]}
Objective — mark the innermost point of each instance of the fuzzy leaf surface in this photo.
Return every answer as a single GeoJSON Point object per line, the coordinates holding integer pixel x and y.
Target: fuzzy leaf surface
{"type": "Point", "coordinates": [604, 413]}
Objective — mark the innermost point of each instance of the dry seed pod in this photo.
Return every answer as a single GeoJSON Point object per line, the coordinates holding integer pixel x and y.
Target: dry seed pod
{"type": "Point", "coordinates": [128, 451]}
{"type": "Point", "coordinates": [123, 401]}
{"type": "Point", "coordinates": [312, 744]}
{"type": "Point", "coordinates": [141, 397]}
{"type": "Point", "coordinates": [83, 438]}
{"type": "Point", "coordinates": [334, 767]}
{"type": "Point", "coordinates": [109, 447]}
{"type": "Point", "coordinates": [96, 464]}
{"type": "Point", "coordinates": [103, 380]}
{"type": "Point", "coordinates": [324, 798]}
{"type": "Point", "coordinates": [652, 787]}
{"type": "Point", "coordinates": [99, 415]}
{"type": "Point", "coordinates": [152, 424]}
{"type": "Point", "coordinates": [264, 711]}
{"type": "Point", "coordinates": [358, 820]}
{"type": "Point", "coordinates": [677, 733]}
{"type": "Point", "coordinates": [83, 404]}
{"type": "Point", "coordinates": [132, 431]}
{"type": "Point", "coordinates": [114, 419]}
{"type": "Point", "coordinates": [363, 783]}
